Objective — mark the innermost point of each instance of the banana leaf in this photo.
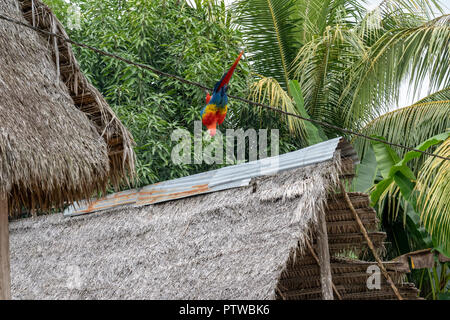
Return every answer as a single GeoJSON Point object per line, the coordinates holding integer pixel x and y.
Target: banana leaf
{"type": "Point", "coordinates": [314, 134]}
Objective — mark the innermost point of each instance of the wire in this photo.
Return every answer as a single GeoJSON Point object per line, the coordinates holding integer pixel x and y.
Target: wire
{"type": "Point", "coordinates": [197, 84]}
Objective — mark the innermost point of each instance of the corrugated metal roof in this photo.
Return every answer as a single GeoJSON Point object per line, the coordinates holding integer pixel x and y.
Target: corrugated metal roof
{"type": "Point", "coordinates": [108, 202]}
{"type": "Point", "coordinates": [221, 179]}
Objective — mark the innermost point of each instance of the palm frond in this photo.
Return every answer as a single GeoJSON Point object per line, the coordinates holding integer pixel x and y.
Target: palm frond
{"type": "Point", "coordinates": [441, 95]}
{"type": "Point", "coordinates": [418, 53]}
{"type": "Point", "coordinates": [394, 14]}
{"type": "Point", "coordinates": [269, 28]}
{"type": "Point", "coordinates": [409, 125]}
{"type": "Point", "coordinates": [317, 15]}
{"type": "Point", "coordinates": [433, 184]}
{"type": "Point", "coordinates": [268, 90]}
{"type": "Point", "coordinates": [321, 66]}
{"type": "Point", "coordinates": [426, 8]}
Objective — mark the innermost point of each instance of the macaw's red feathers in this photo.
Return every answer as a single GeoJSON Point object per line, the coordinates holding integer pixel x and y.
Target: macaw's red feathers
{"type": "Point", "coordinates": [226, 77]}
{"type": "Point", "coordinates": [212, 116]}
{"type": "Point", "coordinates": [212, 130]}
{"type": "Point", "coordinates": [209, 115]}
{"type": "Point", "coordinates": [208, 97]}
{"type": "Point", "coordinates": [210, 122]}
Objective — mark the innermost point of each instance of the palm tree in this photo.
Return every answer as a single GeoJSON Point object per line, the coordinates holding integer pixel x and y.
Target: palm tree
{"type": "Point", "coordinates": [350, 64]}
{"type": "Point", "coordinates": [410, 126]}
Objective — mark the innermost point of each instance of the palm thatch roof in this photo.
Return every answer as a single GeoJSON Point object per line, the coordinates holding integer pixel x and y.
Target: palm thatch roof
{"type": "Point", "coordinates": [243, 241]}
{"type": "Point", "coordinates": [59, 139]}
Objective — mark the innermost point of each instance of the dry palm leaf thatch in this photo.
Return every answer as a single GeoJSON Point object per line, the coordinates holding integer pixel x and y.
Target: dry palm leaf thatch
{"type": "Point", "coordinates": [59, 140]}
{"type": "Point", "coordinates": [230, 244]}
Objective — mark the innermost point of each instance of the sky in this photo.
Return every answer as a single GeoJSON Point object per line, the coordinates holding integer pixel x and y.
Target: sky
{"type": "Point", "coordinates": [406, 98]}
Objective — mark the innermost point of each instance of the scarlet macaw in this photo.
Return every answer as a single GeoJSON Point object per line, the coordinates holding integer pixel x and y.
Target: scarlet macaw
{"type": "Point", "coordinates": [215, 110]}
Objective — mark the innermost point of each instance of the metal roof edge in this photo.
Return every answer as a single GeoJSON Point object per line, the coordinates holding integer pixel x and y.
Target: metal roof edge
{"type": "Point", "coordinates": [234, 176]}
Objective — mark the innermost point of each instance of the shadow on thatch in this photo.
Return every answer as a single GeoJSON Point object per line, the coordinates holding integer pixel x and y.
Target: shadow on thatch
{"type": "Point", "coordinates": [59, 139]}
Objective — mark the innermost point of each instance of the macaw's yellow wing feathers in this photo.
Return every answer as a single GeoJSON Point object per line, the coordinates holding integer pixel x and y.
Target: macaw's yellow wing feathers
{"type": "Point", "coordinates": [213, 115]}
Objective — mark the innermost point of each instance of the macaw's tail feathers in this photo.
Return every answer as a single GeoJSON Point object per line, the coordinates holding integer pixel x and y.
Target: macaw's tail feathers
{"type": "Point", "coordinates": [227, 76]}
{"type": "Point", "coordinates": [212, 129]}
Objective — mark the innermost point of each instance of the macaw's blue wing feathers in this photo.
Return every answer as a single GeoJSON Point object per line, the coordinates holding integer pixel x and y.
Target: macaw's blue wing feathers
{"type": "Point", "coordinates": [203, 111]}
{"type": "Point", "coordinates": [218, 83]}
{"type": "Point", "coordinates": [227, 76]}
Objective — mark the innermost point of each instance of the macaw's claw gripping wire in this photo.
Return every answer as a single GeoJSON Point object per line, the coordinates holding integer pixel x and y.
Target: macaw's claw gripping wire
{"type": "Point", "coordinates": [197, 84]}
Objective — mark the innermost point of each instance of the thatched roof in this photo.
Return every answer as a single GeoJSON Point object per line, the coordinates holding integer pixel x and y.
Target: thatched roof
{"type": "Point", "coordinates": [59, 140]}
{"type": "Point", "coordinates": [245, 242]}
{"type": "Point", "coordinates": [226, 244]}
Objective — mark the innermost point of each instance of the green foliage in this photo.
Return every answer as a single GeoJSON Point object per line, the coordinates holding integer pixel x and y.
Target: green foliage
{"type": "Point", "coordinates": [410, 125]}
{"type": "Point", "coordinates": [396, 172]}
{"type": "Point", "coordinates": [365, 172]}
{"type": "Point", "coordinates": [413, 232]}
{"type": "Point", "coordinates": [412, 53]}
{"type": "Point", "coordinates": [197, 43]}
{"type": "Point", "coordinates": [268, 90]}
{"type": "Point", "coordinates": [349, 62]}
{"type": "Point", "coordinates": [276, 30]}
{"type": "Point", "coordinates": [433, 187]}
{"type": "Point", "coordinates": [271, 35]}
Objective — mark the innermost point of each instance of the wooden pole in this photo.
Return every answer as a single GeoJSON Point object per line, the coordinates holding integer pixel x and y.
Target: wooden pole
{"type": "Point", "coordinates": [5, 275]}
{"type": "Point", "coordinates": [324, 258]}
{"type": "Point", "coordinates": [313, 253]}
{"type": "Point", "coordinates": [370, 243]}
